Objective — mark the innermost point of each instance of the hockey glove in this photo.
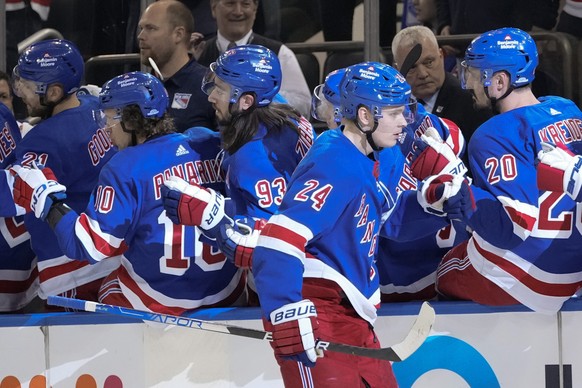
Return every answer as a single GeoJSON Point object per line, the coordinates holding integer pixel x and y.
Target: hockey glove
{"type": "Point", "coordinates": [559, 170]}
{"type": "Point", "coordinates": [294, 332]}
{"type": "Point", "coordinates": [190, 204]}
{"type": "Point", "coordinates": [37, 189]}
{"type": "Point", "coordinates": [447, 195]}
{"type": "Point", "coordinates": [432, 156]}
{"type": "Point", "coordinates": [238, 242]}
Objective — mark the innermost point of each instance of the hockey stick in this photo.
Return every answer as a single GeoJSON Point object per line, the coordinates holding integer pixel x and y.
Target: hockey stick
{"type": "Point", "coordinates": [399, 352]}
{"type": "Point", "coordinates": [156, 68]}
{"type": "Point", "coordinates": [411, 59]}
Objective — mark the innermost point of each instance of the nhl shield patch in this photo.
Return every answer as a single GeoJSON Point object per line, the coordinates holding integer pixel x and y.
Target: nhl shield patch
{"type": "Point", "coordinates": [181, 100]}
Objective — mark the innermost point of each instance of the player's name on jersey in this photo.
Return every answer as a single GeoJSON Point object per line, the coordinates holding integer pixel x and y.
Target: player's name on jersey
{"type": "Point", "coordinates": [199, 171]}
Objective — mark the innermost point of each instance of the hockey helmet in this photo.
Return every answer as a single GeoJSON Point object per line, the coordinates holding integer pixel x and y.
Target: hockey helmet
{"type": "Point", "coordinates": [373, 85]}
{"type": "Point", "coordinates": [505, 49]}
{"type": "Point", "coordinates": [247, 68]}
{"type": "Point", "coordinates": [55, 61]}
{"type": "Point", "coordinates": [135, 88]}
{"type": "Point", "coordinates": [330, 91]}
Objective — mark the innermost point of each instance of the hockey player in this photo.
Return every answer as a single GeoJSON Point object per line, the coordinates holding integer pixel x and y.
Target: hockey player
{"type": "Point", "coordinates": [407, 270]}
{"type": "Point", "coordinates": [263, 143]}
{"type": "Point", "coordinates": [164, 268]}
{"type": "Point", "coordinates": [314, 262]}
{"type": "Point", "coordinates": [525, 246]}
{"type": "Point", "coordinates": [70, 142]}
{"type": "Point", "coordinates": [18, 271]}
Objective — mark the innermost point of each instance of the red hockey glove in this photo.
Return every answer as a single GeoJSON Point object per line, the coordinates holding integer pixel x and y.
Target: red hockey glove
{"type": "Point", "coordinates": [190, 204]}
{"type": "Point", "coordinates": [295, 331]}
{"type": "Point", "coordinates": [36, 189]}
{"type": "Point", "coordinates": [559, 170]}
{"type": "Point", "coordinates": [238, 242]}
{"type": "Point", "coordinates": [433, 156]}
{"type": "Point", "coordinates": [447, 195]}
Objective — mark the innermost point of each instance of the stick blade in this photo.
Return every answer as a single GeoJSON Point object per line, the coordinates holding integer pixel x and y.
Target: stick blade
{"type": "Point", "coordinates": [411, 59]}
{"type": "Point", "coordinates": [417, 334]}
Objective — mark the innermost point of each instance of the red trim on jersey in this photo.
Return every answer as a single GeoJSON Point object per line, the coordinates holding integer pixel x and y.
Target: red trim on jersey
{"type": "Point", "coordinates": [522, 219]}
{"type": "Point", "coordinates": [16, 286]}
{"type": "Point", "coordinates": [287, 235]}
{"type": "Point", "coordinates": [58, 270]}
{"type": "Point", "coordinates": [536, 285]}
{"type": "Point", "coordinates": [100, 244]}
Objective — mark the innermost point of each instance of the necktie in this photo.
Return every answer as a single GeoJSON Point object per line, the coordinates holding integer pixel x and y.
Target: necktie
{"type": "Point", "coordinates": [231, 45]}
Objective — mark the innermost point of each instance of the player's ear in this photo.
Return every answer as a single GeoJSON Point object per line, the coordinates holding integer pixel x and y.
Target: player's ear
{"type": "Point", "coordinates": [55, 92]}
{"type": "Point", "coordinates": [246, 101]}
{"type": "Point", "coordinates": [364, 116]}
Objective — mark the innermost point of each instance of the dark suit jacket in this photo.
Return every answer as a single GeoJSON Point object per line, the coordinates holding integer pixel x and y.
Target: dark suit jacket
{"type": "Point", "coordinates": [456, 104]}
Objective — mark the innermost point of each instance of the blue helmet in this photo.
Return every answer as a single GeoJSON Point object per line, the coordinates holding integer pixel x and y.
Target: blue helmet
{"type": "Point", "coordinates": [331, 92]}
{"type": "Point", "coordinates": [247, 68]}
{"type": "Point", "coordinates": [373, 85]}
{"type": "Point", "coordinates": [135, 88]}
{"type": "Point", "coordinates": [55, 61]}
{"type": "Point", "coordinates": [505, 49]}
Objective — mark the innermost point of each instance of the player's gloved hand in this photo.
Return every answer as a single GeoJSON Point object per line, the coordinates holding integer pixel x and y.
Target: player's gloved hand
{"type": "Point", "coordinates": [238, 242]}
{"type": "Point", "coordinates": [447, 195]}
{"type": "Point", "coordinates": [559, 170]}
{"type": "Point", "coordinates": [295, 331]}
{"type": "Point", "coordinates": [433, 156]}
{"type": "Point", "coordinates": [36, 189]}
{"type": "Point", "coordinates": [190, 204]}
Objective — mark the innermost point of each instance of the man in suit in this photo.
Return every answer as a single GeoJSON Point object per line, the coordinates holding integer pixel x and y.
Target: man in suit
{"type": "Point", "coordinates": [235, 19]}
{"type": "Point", "coordinates": [439, 91]}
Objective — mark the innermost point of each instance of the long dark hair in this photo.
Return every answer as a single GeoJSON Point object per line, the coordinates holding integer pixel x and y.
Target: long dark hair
{"type": "Point", "coordinates": [245, 124]}
{"type": "Point", "coordinates": [134, 121]}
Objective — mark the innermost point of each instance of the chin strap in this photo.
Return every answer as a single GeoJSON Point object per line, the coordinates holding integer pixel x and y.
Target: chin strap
{"type": "Point", "coordinates": [494, 100]}
{"type": "Point", "coordinates": [369, 134]}
{"type": "Point", "coordinates": [133, 136]}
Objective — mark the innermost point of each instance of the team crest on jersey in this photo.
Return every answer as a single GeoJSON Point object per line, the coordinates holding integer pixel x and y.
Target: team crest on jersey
{"type": "Point", "coordinates": [181, 100]}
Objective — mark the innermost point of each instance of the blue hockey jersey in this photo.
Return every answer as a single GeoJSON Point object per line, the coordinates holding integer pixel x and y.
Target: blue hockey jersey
{"type": "Point", "coordinates": [328, 225]}
{"type": "Point", "coordinates": [407, 269]}
{"type": "Point", "coordinates": [164, 266]}
{"type": "Point", "coordinates": [18, 271]}
{"type": "Point", "coordinates": [526, 241]}
{"type": "Point", "coordinates": [75, 148]}
{"type": "Point", "coordinates": [258, 172]}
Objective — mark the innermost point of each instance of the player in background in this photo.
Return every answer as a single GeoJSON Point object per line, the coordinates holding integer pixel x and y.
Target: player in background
{"type": "Point", "coordinates": [407, 270]}
{"type": "Point", "coordinates": [263, 142]}
{"type": "Point", "coordinates": [314, 264]}
{"type": "Point", "coordinates": [18, 270]}
{"type": "Point", "coordinates": [164, 268]}
{"type": "Point", "coordinates": [525, 246]}
{"type": "Point", "coordinates": [70, 142]}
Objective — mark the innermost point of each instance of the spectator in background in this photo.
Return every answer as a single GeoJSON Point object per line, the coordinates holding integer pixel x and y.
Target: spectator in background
{"type": "Point", "coordinates": [165, 29]}
{"type": "Point", "coordinates": [571, 18]}
{"type": "Point", "coordinates": [426, 13]}
{"type": "Point", "coordinates": [438, 91]}
{"type": "Point", "coordinates": [235, 19]}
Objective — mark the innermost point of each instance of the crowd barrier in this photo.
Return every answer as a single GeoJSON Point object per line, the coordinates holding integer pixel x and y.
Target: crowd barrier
{"type": "Point", "coordinates": [470, 346]}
